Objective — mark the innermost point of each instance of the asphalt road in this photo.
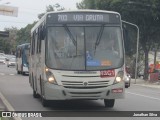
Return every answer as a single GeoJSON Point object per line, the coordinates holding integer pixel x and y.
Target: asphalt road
{"type": "Point", "coordinates": [17, 91]}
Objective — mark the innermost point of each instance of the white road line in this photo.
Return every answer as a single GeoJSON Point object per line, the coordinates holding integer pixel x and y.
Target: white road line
{"type": "Point", "coordinates": [150, 86]}
{"type": "Point", "coordinates": [5, 74]}
{"type": "Point", "coordinates": [11, 74]}
{"type": "Point", "coordinates": [143, 96]}
{"type": "Point", "coordinates": [8, 105]}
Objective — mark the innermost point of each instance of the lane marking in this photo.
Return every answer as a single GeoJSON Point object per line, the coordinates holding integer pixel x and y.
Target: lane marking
{"type": "Point", "coordinates": [6, 74]}
{"type": "Point", "coordinates": [2, 74]}
{"type": "Point", "coordinates": [8, 105]}
{"type": "Point", "coordinates": [143, 96]}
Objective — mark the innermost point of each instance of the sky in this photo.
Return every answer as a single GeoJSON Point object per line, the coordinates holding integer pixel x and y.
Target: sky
{"type": "Point", "coordinates": [28, 11]}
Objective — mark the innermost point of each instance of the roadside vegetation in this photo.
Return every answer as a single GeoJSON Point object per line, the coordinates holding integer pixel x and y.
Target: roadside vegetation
{"type": "Point", "coordinates": [144, 13]}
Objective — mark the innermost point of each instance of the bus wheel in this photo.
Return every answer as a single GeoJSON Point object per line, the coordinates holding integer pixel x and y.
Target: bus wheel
{"type": "Point", "coordinates": [109, 102]}
{"type": "Point", "coordinates": [23, 73]}
{"type": "Point", "coordinates": [44, 101]}
{"type": "Point", "coordinates": [18, 72]}
{"type": "Point", "coordinates": [35, 95]}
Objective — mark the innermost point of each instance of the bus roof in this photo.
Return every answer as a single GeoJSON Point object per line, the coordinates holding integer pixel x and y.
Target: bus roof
{"type": "Point", "coordinates": [85, 10]}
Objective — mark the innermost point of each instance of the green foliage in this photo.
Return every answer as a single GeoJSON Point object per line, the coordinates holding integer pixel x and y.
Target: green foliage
{"type": "Point", "coordinates": [51, 8]}
{"type": "Point", "coordinates": [8, 44]}
{"type": "Point", "coordinates": [4, 45]}
{"type": "Point", "coordinates": [16, 37]}
{"type": "Point", "coordinates": [23, 35]}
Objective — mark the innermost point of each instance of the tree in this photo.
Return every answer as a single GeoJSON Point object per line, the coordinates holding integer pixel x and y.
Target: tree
{"type": "Point", "coordinates": [52, 8]}
{"type": "Point", "coordinates": [23, 35]}
{"type": "Point", "coordinates": [8, 44]}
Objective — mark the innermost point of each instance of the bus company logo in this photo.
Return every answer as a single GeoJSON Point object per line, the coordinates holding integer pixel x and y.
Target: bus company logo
{"type": "Point", "coordinates": [6, 114]}
{"type": "Point", "coordinates": [85, 83]}
{"type": "Point", "coordinates": [21, 114]}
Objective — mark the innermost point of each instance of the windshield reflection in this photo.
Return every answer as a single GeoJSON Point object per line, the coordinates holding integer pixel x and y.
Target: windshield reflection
{"type": "Point", "coordinates": [84, 48]}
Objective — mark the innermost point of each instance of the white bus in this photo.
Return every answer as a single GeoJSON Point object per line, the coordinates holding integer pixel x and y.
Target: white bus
{"type": "Point", "coordinates": [78, 55]}
{"type": "Point", "coordinates": [22, 58]}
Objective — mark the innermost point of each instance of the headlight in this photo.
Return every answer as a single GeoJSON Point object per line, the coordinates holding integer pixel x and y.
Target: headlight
{"type": "Point", "coordinates": [51, 79]}
{"type": "Point", "coordinates": [119, 77]}
{"type": "Point", "coordinates": [127, 79]}
{"type": "Point", "coordinates": [50, 76]}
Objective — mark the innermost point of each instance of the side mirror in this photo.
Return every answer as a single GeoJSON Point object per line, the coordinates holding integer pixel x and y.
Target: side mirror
{"type": "Point", "coordinates": [131, 41]}
{"type": "Point", "coordinates": [130, 38]}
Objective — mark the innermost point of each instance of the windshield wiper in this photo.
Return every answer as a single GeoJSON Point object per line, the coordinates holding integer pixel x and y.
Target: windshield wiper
{"type": "Point", "coordinates": [70, 35]}
{"type": "Point", "coordinates": [99, 35]}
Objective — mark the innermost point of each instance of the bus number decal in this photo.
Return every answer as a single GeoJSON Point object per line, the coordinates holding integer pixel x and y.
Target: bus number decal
{"type": "Point", "coordinates": [62, 18]}
{"type": "Point", "coordinates": [107, 73]}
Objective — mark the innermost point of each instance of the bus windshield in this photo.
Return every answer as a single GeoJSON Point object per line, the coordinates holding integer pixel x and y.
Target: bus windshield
{"type": "Point", "coordinates": [26, 55]}
{"type": "Point", "coordinates": [84, 47]}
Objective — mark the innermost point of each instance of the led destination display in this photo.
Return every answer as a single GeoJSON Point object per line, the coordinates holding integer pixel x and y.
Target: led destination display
{"type": "Point", "coordinates": [77, 17]}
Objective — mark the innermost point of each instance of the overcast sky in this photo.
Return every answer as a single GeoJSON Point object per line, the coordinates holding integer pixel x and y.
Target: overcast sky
{"type": "Point", "coordinates": [29, 9]}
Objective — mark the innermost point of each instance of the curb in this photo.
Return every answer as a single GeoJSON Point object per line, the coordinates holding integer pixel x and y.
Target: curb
{"type": "Point", "coordinates": [6, 106]}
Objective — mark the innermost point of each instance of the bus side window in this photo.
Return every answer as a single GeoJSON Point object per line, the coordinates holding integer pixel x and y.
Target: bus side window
{"type": "Point", "coordinates": [33, 43]}
{"type": "Point", "coordinates": [20, 53]}
{"type": "Point", "coordinates": [42, 36]}
{"type": "Point", "coordinates": [38, 39]}
{"type": "Point", "coordinates": [43, 32]}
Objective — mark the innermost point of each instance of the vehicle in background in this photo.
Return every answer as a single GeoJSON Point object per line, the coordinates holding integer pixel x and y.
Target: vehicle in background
{"type": "Point", "coordinates": [9, 56]}
{"type": "Point", "coordinates": [127, 79]}
{"type": "Point", "coordinates": [141, 74]}
{"type": "Point", "coordinates": [2, 54]}
{"type": "Point", "coordinates": [22, 58]}
{"type": "Point", "coordinates": [11, 62]}
{"type": "Point", "coordinates": [2, 60]}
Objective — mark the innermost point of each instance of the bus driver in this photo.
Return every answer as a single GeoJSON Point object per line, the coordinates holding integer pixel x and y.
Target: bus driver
{"type": "Point", "coordinates": [105, 51]}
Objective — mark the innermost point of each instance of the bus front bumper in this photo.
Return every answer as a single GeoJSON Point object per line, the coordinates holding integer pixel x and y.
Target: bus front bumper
{"type": "Point", "coordinates": [25, 69]}
{"type": "Point", "coordinates": [55, 92]}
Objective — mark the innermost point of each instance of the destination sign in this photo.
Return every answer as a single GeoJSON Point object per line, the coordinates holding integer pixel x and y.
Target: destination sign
{"type": "Point", "coordinates": [87, 17]}
{"type": "Point", "coordinates": [82, 17]}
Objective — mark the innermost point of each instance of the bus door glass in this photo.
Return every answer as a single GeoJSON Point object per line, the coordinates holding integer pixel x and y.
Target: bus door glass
{"type": "Point", "coordinates": [84, 47]}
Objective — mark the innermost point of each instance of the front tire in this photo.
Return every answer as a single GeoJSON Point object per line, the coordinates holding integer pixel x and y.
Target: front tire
{"type": "Point", "coordinates": [35, 95]}
{"type": "Point", "coordinates": [109, 103]}
{"type": "Point", "coordinates": [18, 72]}
{"type": "Point", "coordinates": [23, 73]}
{"type": "Point", "coordinates": [126, 86]}
{"type": "Point", "coordinates": [44, 102]}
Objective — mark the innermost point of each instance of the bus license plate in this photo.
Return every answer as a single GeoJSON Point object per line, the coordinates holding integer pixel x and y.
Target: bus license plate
{"type": "Point", "coordinates": [107, 73]}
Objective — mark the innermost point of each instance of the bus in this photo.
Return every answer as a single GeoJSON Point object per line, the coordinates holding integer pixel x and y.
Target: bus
{"type": "Point", "coordinates": [72, 58]}
{"type": "Point", "coordinates": [22, 58]}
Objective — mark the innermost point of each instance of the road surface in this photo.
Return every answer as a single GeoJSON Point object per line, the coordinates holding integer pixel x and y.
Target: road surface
{"type": "Point", "coordinates": [17, 91]}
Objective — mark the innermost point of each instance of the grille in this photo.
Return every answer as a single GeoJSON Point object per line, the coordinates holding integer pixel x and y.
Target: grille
{"type": "Point", "coordinates": [85, 84]}
{"type": "Point", "coordinates": [85, 94]}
